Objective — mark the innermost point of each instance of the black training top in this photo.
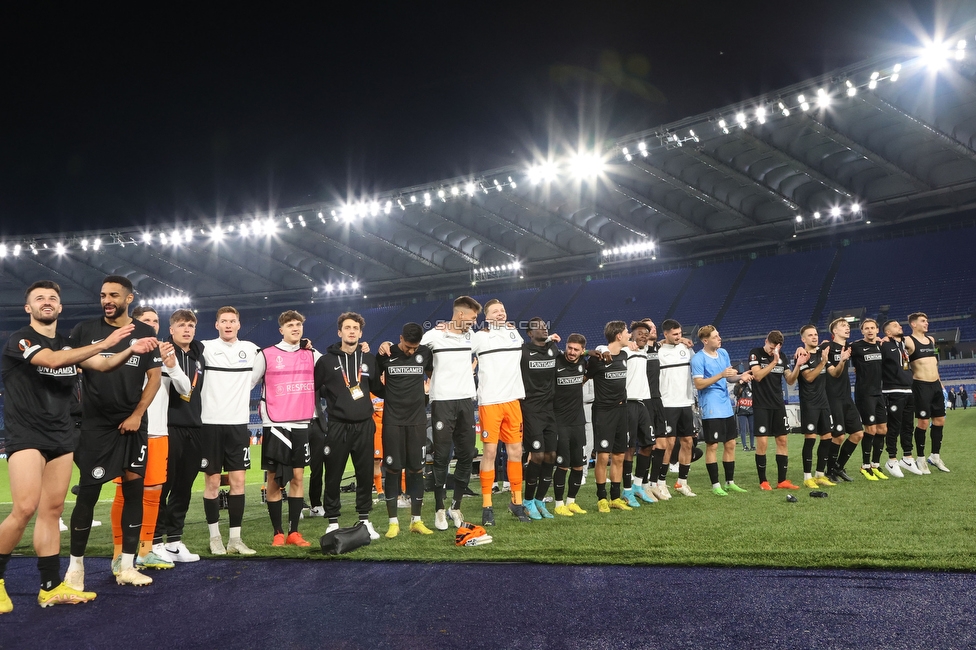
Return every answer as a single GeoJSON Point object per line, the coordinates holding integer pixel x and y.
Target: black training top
{"type": "Point", "coordinates": [866, 359]}
{"type": "Point", "coordinates": [609, 381]}
{"type": "Point", "coordinates": [406, 402]}
{"type": "Point", "coordinates": [539, 374]}
{"type": "Point", "coordinates": [654, 370]}
{"type": "Point", "coordinates": [813, 394]}
{"type": "Point", "coordinates": [896, 375]}
{"type": "Point", "coordinates": [838, 388]}
{"type": "Point", "coordinates": [767, 393]}
{"type": "Point", "coordinates": [568, 401]}
{"type": "Point", "coordinates": [38, 400]}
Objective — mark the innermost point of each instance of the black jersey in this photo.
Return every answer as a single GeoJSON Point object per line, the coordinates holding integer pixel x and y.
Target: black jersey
{"type": "Point", "coordinates": [108, 398]}
{"type": "Point", "coordinates": [896, 375]}
{"type": "Point", "coordinates": [838, 388]}
{"type": "Point", "coordinates": [609, 380]}
{"type": "Point", "coordinates": [539, 374]}
{"type": "Point", "coordinates": [568, 401]}
{"type": "Point", "coordinates": [37, 405]}
{"type": "Point", "coordinates": [866, 359]}
{"type": "Point", "coordinates": [406, 403]}
{"type": "Point", "coordinates": [654, 370]}
{"type": "Point", "coordinates": [767, 393]}
{"type": "Point", "coordinates": [813, 394]}
{"type": "Point", "coordinates": [923, 349]}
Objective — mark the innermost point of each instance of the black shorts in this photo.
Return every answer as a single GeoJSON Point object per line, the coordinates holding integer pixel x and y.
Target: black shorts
{"type": "Point", "coordinates": [815, 420]}
{"type": "Point", "coordinates": [404, 447]}
{"type": "Point", "coordinates": [225, 447]}
{"type": "Point", "coordinates": [719, 430]}
{"type": "Point", "coordinates": [929, 402]}
{"type": "Point", "coordinates": [570, 440]}
{"type": "Point", "coordinates": [769, 422]}
{"type": "Point", "coordinates": [639, 423]}
{"type": "Point", "coordinates": [844, 418]}
{"type": "Point", "coordinates": [655, 410]}
{"type": "Point", "coordinates": [283, 446]}
{"type": "Point", "coordinates": [105, 454]}
{"type": "Point", "coordinates": [47, 454]}
{"type": "Point", "coordinates": [872, 409]}
{"type": "Point", "coordinates": [610, 434]}
{"type": "Point", "coordinates": [679, 422]}
{"type": "Point", "coordinates": [539, 431]}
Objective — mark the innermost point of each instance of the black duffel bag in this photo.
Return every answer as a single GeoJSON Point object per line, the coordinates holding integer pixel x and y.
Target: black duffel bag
{"type": "Point", "coordinates": [343, 540]}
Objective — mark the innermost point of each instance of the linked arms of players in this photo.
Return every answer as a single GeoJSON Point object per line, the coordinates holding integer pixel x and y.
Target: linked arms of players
{"type": "Point", "coordinates": [89, 356]}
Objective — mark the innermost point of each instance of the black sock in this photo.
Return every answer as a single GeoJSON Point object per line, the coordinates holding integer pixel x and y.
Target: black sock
{"type": "Point", "coordinates": [532, 480]}
{"type": "Point", "coordinates": [712, 469]}
{"type": "Point", "coordinates": [807, 454]}
{"type": "Point", "coordinates": [601, 491]}
{"type": "Point", "coordinates": [729, 467]}
{"type": "Point", "coordinates": [628, 474]}
{"type": "Point", "coordinates": [391, 488]}
{"type": "Point", "coordinates": [211, 510]}
{"type": "Point", "coordinates": [614, 490]}
{"type": "Point", "coordinates": [761, 467]}
{"type": "Point", "coordinates": [657, 462]}
{"type": "Point", "coordinates": [235, 510]}
{"type": "Point", "coordinates": [937, 438]}
{"type": "Point", "coordinates": [832, 452]}
{"type": "Point", "coordinates": [415, 488]}
{"type": "Point", "coordinates": [867, 446]}
{"type": "Point", "coordinates": [295, 506]}
{"type": "Point", "coordinates": [782, 464]}
{"type": "Point", "coordinates": [50, 568]}
{"type": "Point", "coordinates": [642, 467]}
{"type": "Point", "coordinates": [683, 472]}
{"type": "Point", "coordinates": [879, 445]}
{"type": "Point", "coordinates": [823, 453]}
{"type": "Point", "coordinates": [575, 480]}
{"type": "Point", "coordinates": [4, 558]}
{"type": "Point", "coordinates": [846, 451]}
{"type": "Point", "coordinates": [559, 483]}
{"type": "Point", "coordinates": [545, 480]}
{"type": "Point", "coordinates": [440, 494]}
{"type": "Point", "coordinates": [81, 518]}
{"type": "Point", "coordinates": [919, 442]}
{"type": "Point", "coordinates": [459, 488]}
{"type": "Point", "coordinates": [674, 451]}
{"type": "Point", "coordinates": [274, 512]}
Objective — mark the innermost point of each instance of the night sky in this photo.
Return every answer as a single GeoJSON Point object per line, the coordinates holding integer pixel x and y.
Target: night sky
{"type": "Point", "coordinates": [113, 118]}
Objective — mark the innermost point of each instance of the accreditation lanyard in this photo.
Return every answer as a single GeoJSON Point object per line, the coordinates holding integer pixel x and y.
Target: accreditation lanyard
{"type": "Point", "coordinates": [355, 391]}
{"type": "Point", "coordinates": [193, 382]}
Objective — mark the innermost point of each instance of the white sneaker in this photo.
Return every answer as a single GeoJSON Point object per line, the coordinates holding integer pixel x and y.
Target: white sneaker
{"type": "Point", "coordinates": [403, 501]}
{"type": "Point", "coordinates": [96, 523]}
{"type": "Point", "coordinates": [132, 576]}
{"type": "Point", "coordinates": [683, 488]}
{"type": "Point", "coordinates": [182, 554]}
{"type": "Point", "coordinates": [331, 527]}
{"type": "Point", "coordinates": [217, 546]}
{"type": "Point", "coordinates": [664, 492]}
{"type": "Point", "coordinates": [237, 545]}
{"type": "Point", "coordinates": [651, 489]}
{"type": "Point", "coordinates": [893, 469]}
{"type": "Point", "coordinates": [161, 552]}
{"type": "Point", "coordinates": [440, 519]}
{"type": "Point", "coordinates": [583, 479]}
{"type": "Point", "coordinates": [372, 531]}
{"type": "Point", "coordinates": [317, 511]}
{"type": "Point", "coordinates": [922, 465]}
{"type": "Point", "coordinates": [61, 525]}
{"type": "Point", "coordinates": [75, 579]}
{"type": "Point", "coordinates": [456, 517]}
{"type": "Point", "coordinates": [506, 486]}
{"type": "Point", "coordinates": [936, 459]}
{"type": "Point", "coordinates": [909, 465]}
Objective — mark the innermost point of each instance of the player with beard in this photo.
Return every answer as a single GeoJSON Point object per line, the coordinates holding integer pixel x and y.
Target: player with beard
{"type": "Point", "coordinates": [39, 369]}
{"type": "Point", "coordinates": [842, 408]}
{"type": "Point", "coordinates": [866, 358]}
{"type": "Point", "coordinates": [896, 386]}
{"type": "Point", "coordinates": [570, 425]}
{"type": "Point", "coordinates": [769, 412]}
{"type": "Point", "coordinates": [113, 404]}
{"type": "Point", "coordinates": [711, 370]}
{"type": "Point", "coordinates": [926, 391]}
{"type": "Point", "coordinates": [811, 360]}
{"type": "Point", "coordinates": [538, 418]}
{"type": "Point", "coordinates": [610, 421]}
{"type": "Point", "coordinates": [677, 397]}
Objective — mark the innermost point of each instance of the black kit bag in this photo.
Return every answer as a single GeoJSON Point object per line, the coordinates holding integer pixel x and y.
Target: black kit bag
{"type": "Point", "coordinates": [343, 540]}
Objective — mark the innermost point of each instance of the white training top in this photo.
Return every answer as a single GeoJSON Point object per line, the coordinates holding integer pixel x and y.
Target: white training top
{"type": "Point", "coordinates": [677, 391]}
{"type": "Point", "coordinates": [452, 377]}
{"type": "Point", "coordinates": [257, 376]}
{"type": "Point", "coordinates": [158, 410]}
{"type": "Point", "coordinates": [226, 395]}
{"type": "Point", "coordinates": [499, 351]}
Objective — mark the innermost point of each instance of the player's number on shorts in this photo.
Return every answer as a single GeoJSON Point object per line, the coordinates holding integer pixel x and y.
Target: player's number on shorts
{"type": "Point", "coordinates": [142, 454]}
{"type": "Point", "coordinates": [247, 454]}
{"type": "Point", "coordinates": [308, 451]}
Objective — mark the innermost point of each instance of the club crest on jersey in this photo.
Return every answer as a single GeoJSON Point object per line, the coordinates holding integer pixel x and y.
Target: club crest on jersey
{"type": "Point", "coordinates": [579, 368]}
{"type": "Point", "coordinates": [549, 351]}
{"type": "Point", "coordinates": [511, 335]}
{"type": "Point", "coordinates": [242, 355]}
{"type": "Point", "coordinates": [133, 341]}
{"type": "Point", "coordinates": [98, 473]}
{"type": "Point", "coordinates": [419, 358]}
{"type": "Point", "coordinates": [364, 368]}
{"type": "Point", "coordinates": [682, 353]}
{"type": "Point", "coordinates": [438, 425]}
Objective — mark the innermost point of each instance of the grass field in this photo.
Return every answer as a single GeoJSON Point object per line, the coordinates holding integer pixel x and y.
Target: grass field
{"type": "Point", "coordinates": [919, 522]}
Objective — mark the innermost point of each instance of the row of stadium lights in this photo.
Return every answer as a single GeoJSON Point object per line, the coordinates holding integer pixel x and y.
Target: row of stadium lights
{"type": "Point", "coordinates": [581, 165]}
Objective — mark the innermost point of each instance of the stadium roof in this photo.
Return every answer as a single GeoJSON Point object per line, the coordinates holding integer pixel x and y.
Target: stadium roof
{"type": "Point", "coordinates": [878, 143]}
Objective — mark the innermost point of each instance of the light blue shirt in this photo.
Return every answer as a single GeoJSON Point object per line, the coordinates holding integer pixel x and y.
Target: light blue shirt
{"type": "Point", "coordinates": [713, 400]}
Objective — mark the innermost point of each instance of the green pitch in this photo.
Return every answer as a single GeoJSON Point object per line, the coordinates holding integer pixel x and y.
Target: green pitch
{"type": "Point", "coordinates": [919, 522]}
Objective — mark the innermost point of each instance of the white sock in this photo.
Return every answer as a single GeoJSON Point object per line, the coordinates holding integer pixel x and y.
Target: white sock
{"type": "Point", "coordinates": [820, 474]}
{"type": "Point", "coordinates": [807, 476]}
{"type": "Point", "coordinates": [414, 520]}
{"type": "Point", "coordinates": [214, 529]}
{"type": "Point", "coordinates": [716, 485]}
{"type": "Point", "coordinates": [394, 520]}
{"type": "Point", "coordinates": [570, 501]}
{"type": "Point", "coordinates": [127, 560]}
{"type": "Point", "coordinates": [638, 482]}
{"type": "Point", "coordinates": [76, 563]}
{"type": "Point", "coordinates": [235, 532]}
{"type": "Point", "coordinates": [560, 504]}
